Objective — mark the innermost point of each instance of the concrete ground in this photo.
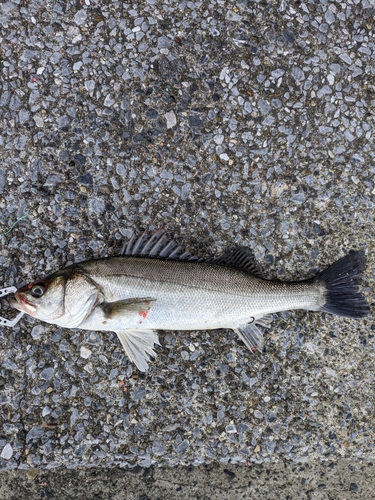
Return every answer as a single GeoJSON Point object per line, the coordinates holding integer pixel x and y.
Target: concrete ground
{"type": "Point", "coordinates": [227, 122]}
{"type": "Point", "coordinates": [342, 480]}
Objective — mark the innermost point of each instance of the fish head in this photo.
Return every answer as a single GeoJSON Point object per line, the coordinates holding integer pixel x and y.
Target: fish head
{"type": "Point", "coordinates": [64, 298]}
{"type": "Point", "coordinates": [42, 299]}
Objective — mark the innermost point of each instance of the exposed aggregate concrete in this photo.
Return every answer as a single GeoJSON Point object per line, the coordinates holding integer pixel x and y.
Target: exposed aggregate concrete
{"type": "Point", "coordinates": [245, 122]}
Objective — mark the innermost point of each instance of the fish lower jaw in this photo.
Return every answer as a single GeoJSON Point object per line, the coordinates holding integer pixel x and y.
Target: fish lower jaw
{"type": "Point", "coordinates": [22, 304]}
{"type": "Point", "coordinates": [13, 303]}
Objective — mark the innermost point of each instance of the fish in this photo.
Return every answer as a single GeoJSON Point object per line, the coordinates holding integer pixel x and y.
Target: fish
{"type": "Point", "coordinates": [153, 284]}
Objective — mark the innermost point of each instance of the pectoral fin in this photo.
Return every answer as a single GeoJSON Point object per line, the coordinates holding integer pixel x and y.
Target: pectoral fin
{"type": "Point", "coordinates": [138, 345]}
{"type": "Point", "coordinates": [124, 308]}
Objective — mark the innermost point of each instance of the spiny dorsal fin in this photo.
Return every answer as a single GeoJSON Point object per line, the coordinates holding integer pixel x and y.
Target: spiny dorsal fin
{"type": "Point", "coordinates": [241, 258]}
{"type": "Point", "coordinates": [157, 245]}
{"type": "Point", "coordinates": [161, 246]}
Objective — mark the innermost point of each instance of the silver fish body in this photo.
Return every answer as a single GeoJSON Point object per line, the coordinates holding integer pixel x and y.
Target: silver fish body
{"type": "Point", "coordinates": [191, 296]}
{"type": "Point", "coordinates": [136, 294]}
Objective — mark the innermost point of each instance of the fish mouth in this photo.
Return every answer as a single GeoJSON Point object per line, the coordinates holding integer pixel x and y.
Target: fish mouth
{"type": "Point", "coordinates": [22, 304]}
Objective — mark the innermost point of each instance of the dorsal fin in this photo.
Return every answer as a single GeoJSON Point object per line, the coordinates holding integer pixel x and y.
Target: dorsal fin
{"type": "Point", "coordinates": [158, 245]}
{"type": "Point", "coordinates": [241, 258]}
{"type": "Point", "coordinates": [161, 246]}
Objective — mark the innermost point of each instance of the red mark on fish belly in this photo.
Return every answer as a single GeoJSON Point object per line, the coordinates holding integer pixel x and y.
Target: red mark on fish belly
{"type": "Point", "coordinates": [143, 314]}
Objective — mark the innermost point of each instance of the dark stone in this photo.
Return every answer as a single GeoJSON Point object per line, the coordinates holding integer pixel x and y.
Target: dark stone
{"type": "Point", "coordinates": [147, 472]}
{"type": "Point", "coordinates": [318, 230]}
{"type": "Point", "coordinates": [289, 36]}
{"type": "Point", "coordinates": [2, 180]}
{"type": "Point", "coordinates": [195, 121]}
{"type": "Point", "coordinates": [64, 155]}
{"type": "Point", "coordinates": [230, 474]}
{"type": "Point", "coordinates": [152, 114]}
{"type": "Point", "coordinates": [80, 159]}
{"type": "Point", "coordinates": [271, 417]}
{"type": "Point", "coordinates": [206, 178]}
{"type": "Point", "coordinates": [136, 470]}
{"type": "Point", "coordinates": [85, 179]}
{"type": "Point", "coordinates": [139, 393]}
{"type": "Point", "coordinates": [138, 138]}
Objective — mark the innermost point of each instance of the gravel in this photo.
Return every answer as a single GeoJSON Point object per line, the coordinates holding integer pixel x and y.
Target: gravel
{"type": "Point", "coordinates": [248, 123]}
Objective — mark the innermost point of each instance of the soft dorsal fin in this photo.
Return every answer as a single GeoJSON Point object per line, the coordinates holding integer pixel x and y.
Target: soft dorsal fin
{"type": "Point", "coordinates": [241, 258]}
{"type": "Point", "coordinates": [157, 245]}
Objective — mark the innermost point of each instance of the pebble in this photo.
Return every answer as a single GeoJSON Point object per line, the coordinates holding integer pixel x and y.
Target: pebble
{"type": "Point", "coordinates": [47, 374]}
{"type": "Point", "coordinates": [346, 58]}
{"type": "Point", "coordinates": [158, 447]}
{"type": "Point", "coordinates": [171, 119]}
{"type": "Point", "coordinates": [7, 452]}
{"type": "Point", "coordinates": [84, 352]}
{"type": "Point", "coordinates": [80, 17]}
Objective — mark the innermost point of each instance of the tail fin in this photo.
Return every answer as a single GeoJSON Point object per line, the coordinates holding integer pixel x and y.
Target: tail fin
{"type": "Point", "coordinates": [342, 281]}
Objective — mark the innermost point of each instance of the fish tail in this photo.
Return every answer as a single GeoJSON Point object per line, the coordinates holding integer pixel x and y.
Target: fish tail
{"type": "Point", "coordinates": [342, 281]}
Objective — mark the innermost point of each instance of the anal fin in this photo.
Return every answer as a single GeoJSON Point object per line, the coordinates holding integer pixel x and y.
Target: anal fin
{"type": "Point", "coordinates": [265, 321]}
{"type": "Point", "coordinates": [138, 345]}
{"type": "Point", "coordinates": [251, 336]}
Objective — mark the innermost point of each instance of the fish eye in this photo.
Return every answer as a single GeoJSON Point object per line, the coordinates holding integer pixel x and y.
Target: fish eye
{"type": "Point", "coordinates": [38, 290]}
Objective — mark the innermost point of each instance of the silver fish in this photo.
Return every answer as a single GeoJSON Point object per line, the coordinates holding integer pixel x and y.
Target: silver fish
{"type": "Point", "coordinates": [155, 285]}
